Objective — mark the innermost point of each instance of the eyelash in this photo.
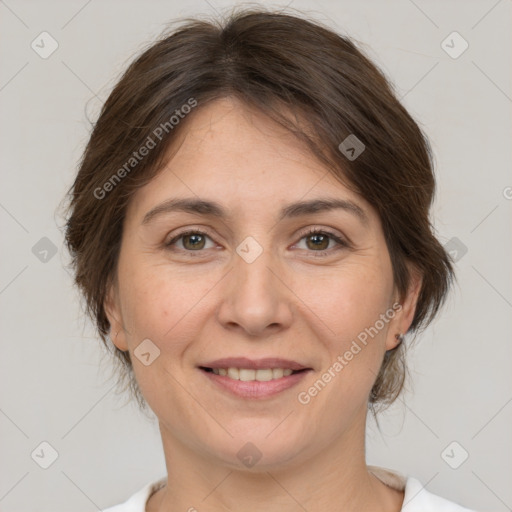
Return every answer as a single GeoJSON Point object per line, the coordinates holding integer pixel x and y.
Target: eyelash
{"type": "Point", "coordinates": [342, 244]}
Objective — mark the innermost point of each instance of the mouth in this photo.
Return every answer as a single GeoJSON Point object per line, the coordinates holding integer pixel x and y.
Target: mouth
{"type": "Point", "coordinates": [250, 375]}
{"type": "Point", "coordinates": [249, 379]}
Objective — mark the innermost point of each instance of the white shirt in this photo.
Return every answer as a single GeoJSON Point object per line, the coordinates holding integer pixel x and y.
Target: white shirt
{"type": "Point", "coordinates": [416, 497]}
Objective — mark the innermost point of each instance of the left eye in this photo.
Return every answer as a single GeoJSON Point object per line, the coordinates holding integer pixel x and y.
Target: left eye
{"type": "Point", "coordinates": [319, 241]}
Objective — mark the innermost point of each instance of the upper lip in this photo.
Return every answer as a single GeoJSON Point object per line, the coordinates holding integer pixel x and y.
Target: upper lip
{"type": "Point", "coordinates": [254, 364]}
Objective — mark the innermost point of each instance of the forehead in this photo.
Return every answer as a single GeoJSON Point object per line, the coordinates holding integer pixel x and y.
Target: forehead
{"type": "Point", "coordinates": [227, 134]}
{"type": "Point", "coordinates": [238, 155]}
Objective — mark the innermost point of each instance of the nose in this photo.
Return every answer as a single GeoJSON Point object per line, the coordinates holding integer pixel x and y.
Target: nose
{"type": "Point", "coordinates": [255, 297]}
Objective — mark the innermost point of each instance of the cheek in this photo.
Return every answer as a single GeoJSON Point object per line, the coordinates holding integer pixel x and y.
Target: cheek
{"type": "Point", "coordinates": [161, 305]}
{"type": "Point", "coordinates": [349, 299]}
{"type": "Point", "coordinates": [345, 310]}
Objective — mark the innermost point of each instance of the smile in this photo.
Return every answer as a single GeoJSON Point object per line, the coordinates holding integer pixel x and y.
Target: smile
{"type": "Point", "coordinates": [249, 374]}
{"type": "Point", "coordinates": [249, 383]}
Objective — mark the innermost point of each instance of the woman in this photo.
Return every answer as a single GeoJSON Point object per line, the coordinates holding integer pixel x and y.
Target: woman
{"type": "Point", "coordinates": [250, 227]}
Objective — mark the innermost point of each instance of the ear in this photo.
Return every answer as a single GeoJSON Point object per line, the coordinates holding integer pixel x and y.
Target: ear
{"type": "Point", "coordinates": [113, 312]}
{"type": "Point", "coordinates": [405, 315]}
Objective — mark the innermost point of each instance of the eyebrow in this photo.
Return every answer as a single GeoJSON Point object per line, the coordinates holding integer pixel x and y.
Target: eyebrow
{"type": "Point", "coordinates": [214, 209]}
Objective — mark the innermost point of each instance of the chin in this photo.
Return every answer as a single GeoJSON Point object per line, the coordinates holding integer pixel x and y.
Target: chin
{"type": "Point", "coordinates": [256, 451]}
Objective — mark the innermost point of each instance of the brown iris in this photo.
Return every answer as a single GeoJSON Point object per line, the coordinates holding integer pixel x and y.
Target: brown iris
{"type": "Point", "coordinates": [319, 243]}
{"type": "Point", "coordinates": [195, 243]}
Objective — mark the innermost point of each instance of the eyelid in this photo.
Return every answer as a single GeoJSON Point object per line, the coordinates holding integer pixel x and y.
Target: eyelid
{"type": "Point", "coordinates": [323, 230]}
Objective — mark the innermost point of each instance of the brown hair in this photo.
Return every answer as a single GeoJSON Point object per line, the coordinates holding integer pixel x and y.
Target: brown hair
{"type": "Point", "coordinates": [280, 64]}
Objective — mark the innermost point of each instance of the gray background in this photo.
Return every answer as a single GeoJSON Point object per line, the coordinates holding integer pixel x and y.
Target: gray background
{"type": "Point", "coordinates": [54, 387]}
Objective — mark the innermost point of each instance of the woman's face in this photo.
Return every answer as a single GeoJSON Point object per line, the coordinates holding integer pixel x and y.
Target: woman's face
{"type": "Point", "coordinates": [255, 284]}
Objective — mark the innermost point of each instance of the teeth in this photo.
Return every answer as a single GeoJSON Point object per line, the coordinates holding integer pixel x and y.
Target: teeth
{"type": "Point", "coordinates": [247, 375]}
{"type": "Point", "coordinates": [277, 373]}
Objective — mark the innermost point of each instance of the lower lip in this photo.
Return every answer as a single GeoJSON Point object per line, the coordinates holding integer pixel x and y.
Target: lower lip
{"type": "Point", "coordinates": [255, 388]}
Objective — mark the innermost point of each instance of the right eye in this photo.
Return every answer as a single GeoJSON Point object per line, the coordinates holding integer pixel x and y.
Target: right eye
{"type": "Point", "coordinates": [191, 241]}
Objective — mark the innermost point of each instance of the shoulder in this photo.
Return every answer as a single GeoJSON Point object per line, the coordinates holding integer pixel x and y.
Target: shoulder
{"type": "Point", "coordinates": [416, 497]}
{"type": "Point", "coordinates": [137, 502]}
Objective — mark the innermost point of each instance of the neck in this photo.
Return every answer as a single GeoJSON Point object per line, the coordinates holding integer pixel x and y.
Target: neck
{"type": "Point", "coordinates": [335, 479]}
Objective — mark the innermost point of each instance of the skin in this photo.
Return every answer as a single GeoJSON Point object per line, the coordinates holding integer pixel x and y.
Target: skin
{"type": "Point", "coordinates": [290, 303]}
